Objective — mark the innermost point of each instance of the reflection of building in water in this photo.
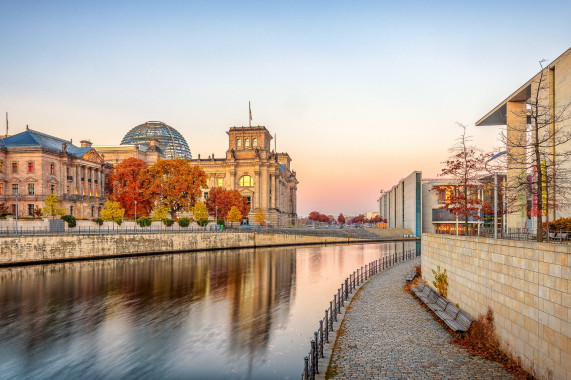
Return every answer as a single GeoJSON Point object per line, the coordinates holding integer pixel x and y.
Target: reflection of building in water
{"type": "Point", "coordinates": [260, 291]}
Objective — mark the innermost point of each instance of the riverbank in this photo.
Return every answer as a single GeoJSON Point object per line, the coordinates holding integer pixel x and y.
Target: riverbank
{"type": "Point", "coordinates": [26, 250]}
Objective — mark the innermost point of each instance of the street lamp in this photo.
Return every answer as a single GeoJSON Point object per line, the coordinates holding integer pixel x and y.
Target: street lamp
{"type": "Point", "coordinates": [216, 217]}
{"type": "Point", "coordinates": [495, 191]}
{"type": "Point", "coordinates": [135, 213]}
{"type": "Point", "coordinates": [16, 210]}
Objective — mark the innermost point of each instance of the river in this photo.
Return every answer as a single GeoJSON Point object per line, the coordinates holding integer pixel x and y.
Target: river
{"type": "Point", "coordinates": [230, 314]}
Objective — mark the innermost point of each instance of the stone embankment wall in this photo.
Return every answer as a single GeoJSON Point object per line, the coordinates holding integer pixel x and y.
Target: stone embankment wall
{"type": "Point", "coordinates": [526, 284]}
{"type": "Point", "coordinates": [30, 249]}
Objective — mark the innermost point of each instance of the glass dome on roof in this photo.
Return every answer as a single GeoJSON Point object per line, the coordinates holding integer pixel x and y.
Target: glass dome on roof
{"type": "Point", "coordinates": [168, 139]}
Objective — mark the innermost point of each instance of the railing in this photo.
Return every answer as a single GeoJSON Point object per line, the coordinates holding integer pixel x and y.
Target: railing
{"type": "Point", "coordinates": [550, 236]}
{"type": "Point", "coordinates": [351, 283]}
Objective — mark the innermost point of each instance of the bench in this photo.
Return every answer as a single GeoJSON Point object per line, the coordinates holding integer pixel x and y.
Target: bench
{"type": "Point", "coordinates": [458, 320]}
{"type": "Point", "coordinates": [410, 276]}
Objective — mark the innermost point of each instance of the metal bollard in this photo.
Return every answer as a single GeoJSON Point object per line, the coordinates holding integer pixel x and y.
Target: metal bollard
{"type": "Point", "coordinates": [346, 289]}
{"type": "Point", "coordinates": [342, 296]}
{"type": "Point", "coordinates": [357, 277]}
{"type": "Point", "coordinates": [312, 353]}
{"type": "Point", "coordinates": [316, 353]}
{"type": "Point", "coordinates": [306, 368]}
{"type": "Point", "coordinates": [326, 326]}
{"type": "Point", "coordinates": [331, 313]}
{"type": "Point", "coordinates": [321, 339]}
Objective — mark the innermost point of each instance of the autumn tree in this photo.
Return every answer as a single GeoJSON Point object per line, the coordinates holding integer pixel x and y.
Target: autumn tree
{"type": "Point", "coordinates": [225, 199]}
{"type": "Point", "coordinates": [112, 211]}
{"type": "Point", "coordinates": [318, 217]}
{"type": "Point", "coordinates": [234, 215]}
{"type": "Point", "coordinates": [200, 214]}
{"type": "Point", "coordinates": [341, 219]}
{"type": "Point", "coordinates": [464, 166]}
{"type": "Point", "coordinates": [259, 216]}
{"type": "Point", "coordinates": [159, 213]}
{"type": "Point", "coordinates": [537, 142]}
{"type": "Point", "coordinates": [52, 207]}
{"type": "Point", "coordinates": [175, 184]}
{"type": "Point", "coordinates": [125, 187]}
{"type": "Point", "coordinates": [360, 219]}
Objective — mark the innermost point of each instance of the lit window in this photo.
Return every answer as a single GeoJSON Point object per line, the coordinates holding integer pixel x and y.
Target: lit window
{"type": "Point", "coordinates": [220, 182]}
{"type": "Point", "coordinates": [246, 142]}
{"type": "Point", "coordinates": [14, 167]}
{"type": "Point", "coordinates": [246, 181]}
{"type": "Point", "coordinates": [30, 189]}
{"type": "Point", "coordinates": [1, 166]}
{"type": "Point", "coordinates": [30, 166]}
{"type": "Point", "coordinates": [239, 142]}
{"type": "Point", "coordinates": [255, 142]}
{"type": "Point", "coordinates": [1, 188]}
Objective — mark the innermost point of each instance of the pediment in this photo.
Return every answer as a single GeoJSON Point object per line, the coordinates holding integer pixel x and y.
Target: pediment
{"type": "Point", "coordinates": [31, 179]}
{"type": "Point", "coordinates": [14, 179]}
{"type": "Point", "coordinates": [53, 180]}
{"type": "Point", "coordinates": [93, 156]}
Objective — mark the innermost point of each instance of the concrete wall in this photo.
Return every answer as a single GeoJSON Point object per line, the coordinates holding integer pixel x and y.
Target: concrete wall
{"type": "Point", "coordinates": [19, 250]}
{"type": "Point", "coordinates": [526, 284]}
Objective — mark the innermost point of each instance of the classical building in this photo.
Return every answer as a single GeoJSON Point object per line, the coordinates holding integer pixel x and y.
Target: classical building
{"type": "Point", "coordinates": [34, 164]}
{"type": "Point", "coordinates": [260, 174]}
{"type": "Point", "coordinates": [554, 97]}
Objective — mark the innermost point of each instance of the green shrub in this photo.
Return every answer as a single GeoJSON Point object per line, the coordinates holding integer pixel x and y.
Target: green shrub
{"type": "Point", "coordinates": [70, 219]}
{"type": "Point", "coordinates": [119, 222]}
{"type": "Point", "coordinates": [168, 222]}
{"type": "Point", "coordinates": [184, 222]}
{"type": "Point", "coordinates": [221, 222]}
{"type": "Point", "coordinates": [144, 221]}
{"type": "Point", "coordinates": [99, 221]}
{"type": "Point", "coordinates": [202, 222]}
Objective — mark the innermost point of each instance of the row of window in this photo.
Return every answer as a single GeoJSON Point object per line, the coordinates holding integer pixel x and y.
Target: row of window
{"type": "Point", "coordinates": [30, 167]}
{"type": "Point", "coordinates": [244, 181]}
{"type": "Point", "coordinates": [32, 189]}
{"type": "Point", "coordinates": [31, 208]}
{"type": "Point", "coordinates": [246, 142]}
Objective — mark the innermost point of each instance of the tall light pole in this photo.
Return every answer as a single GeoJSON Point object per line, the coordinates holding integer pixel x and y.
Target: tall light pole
{"type": "Point", "coordinates": [135, 213]}
{"type": "Point", "coordinates": [216, 221]}
{"type": "Point", "coordinates": [16, 210]}
{"type": "Point", "coordinates": [495, 192]}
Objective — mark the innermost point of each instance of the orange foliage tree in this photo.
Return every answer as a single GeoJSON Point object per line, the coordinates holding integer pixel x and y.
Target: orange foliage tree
{"type": "Point", "coordinates": [225, 199]}
{"type": "Point", "coordinates": [175, 184]}
{"type": "Point", "coordinates": [125, 187]}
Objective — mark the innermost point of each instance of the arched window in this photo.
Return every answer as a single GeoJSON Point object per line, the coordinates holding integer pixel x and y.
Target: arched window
{"type": "Point", "coordinates": [246, 181]}
{"type": "Point", "coordinates": [246, 142]}
{"type": "Point", "coordinates": [239, 143]}
{"type": "Point", "coordinates": [255, 142]}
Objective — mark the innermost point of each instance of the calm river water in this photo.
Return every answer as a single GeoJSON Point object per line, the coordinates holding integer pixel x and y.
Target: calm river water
{"type": "Point", "coordinates": [246, 314]}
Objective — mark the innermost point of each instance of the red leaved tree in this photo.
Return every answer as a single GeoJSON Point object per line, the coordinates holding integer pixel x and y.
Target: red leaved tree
{"type": "Point", "coordinates": [175, 184]}
{"type": "Point", "coordinates": [125, 187]}
{"type": "Point", "coordinates": [341, 219]}
{"type": "Point", "coordinates": [225, 199]}
{"type": "Point", "coordinates": [464, 166]}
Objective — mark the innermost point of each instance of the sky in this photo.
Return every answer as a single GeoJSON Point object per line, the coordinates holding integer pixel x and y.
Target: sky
{"type": "Point", "coordinates": [359, 93]}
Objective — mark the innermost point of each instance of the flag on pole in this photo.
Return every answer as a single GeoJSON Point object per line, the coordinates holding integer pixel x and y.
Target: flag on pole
{"type": "Point", "coordinates": [250, 108]}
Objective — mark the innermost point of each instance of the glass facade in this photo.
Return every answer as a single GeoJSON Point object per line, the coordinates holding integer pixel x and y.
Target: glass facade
{"type": "Point", "coordinates": [168, 139]}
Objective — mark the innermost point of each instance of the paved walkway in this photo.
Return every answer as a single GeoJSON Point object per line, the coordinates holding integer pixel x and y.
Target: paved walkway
{"type": "Point", "coordinates": [389, 335]}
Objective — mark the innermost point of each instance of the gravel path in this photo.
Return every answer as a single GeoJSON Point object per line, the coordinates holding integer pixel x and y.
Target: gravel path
{"type": "Point", "coordinates": [389, 335]}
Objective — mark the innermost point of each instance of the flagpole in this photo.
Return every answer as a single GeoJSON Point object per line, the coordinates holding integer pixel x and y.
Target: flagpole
{"type": "Point", "coordinates": [250, 115]}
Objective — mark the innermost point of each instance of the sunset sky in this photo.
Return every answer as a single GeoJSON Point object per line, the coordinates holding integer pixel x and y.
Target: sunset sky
{"type": "Point", "coordinates": [359, 93]}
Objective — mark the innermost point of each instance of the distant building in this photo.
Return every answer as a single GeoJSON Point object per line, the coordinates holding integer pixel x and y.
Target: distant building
{"type": "Point", "coordinates": [414, 203]}
{"type": "Point", "coordinates": [34, 164]}
{"type": "Point", "coordinates": [402, 204]}
{"type": "Point", "coordinates": [260, 174]}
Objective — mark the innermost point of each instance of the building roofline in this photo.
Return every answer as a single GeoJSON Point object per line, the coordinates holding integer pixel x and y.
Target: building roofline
{"type": "Point", "coordinates": [497, 115]}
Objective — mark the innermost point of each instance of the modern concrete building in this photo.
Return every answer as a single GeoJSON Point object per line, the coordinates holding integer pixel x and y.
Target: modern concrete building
{"type": "Point", "coordinates": [402, 204]}
{"type": "Point", "coordinates": [515, 112]}
{"type": "Point", "coordinates": [260, 174]}
{"type": "Point", "coordinates": [34, 164]}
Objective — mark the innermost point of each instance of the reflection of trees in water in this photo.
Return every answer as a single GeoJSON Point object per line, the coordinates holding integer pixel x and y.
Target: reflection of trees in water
{"type": "Point", "coordinates": [45, 305]}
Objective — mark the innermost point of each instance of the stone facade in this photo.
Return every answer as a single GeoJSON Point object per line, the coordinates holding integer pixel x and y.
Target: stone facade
{"type": "Point", "coordinates": [260, 174]}
{"type": "Point", "coordinates": [513, 112]}
{"type": "Point", "coordinates": [33, 165]}
{"type": "Point", "coordinates": [526, 284]}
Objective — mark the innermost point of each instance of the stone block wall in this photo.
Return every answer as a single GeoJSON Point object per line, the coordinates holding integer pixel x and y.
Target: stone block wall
{"type": "Point", "coordinates": [526, 284]}
{"type": "Point", "coordinates": [26, 249]}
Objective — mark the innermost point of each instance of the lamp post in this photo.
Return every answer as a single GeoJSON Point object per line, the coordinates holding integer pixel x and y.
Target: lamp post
{"type": "Point", "coordinates": [495, 192]}
{"type": "Point", "coordinates": [216, 217]}
{"type": "Point", "coordinates": [135, 213]}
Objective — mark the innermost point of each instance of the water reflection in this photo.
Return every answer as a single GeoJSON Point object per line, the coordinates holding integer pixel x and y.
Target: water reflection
{"type": "Point", "coordinates": [226, 314]}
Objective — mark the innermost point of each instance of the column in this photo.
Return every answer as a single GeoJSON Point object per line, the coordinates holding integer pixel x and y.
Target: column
{"type": "Point", "coordinates": [258, 193]}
